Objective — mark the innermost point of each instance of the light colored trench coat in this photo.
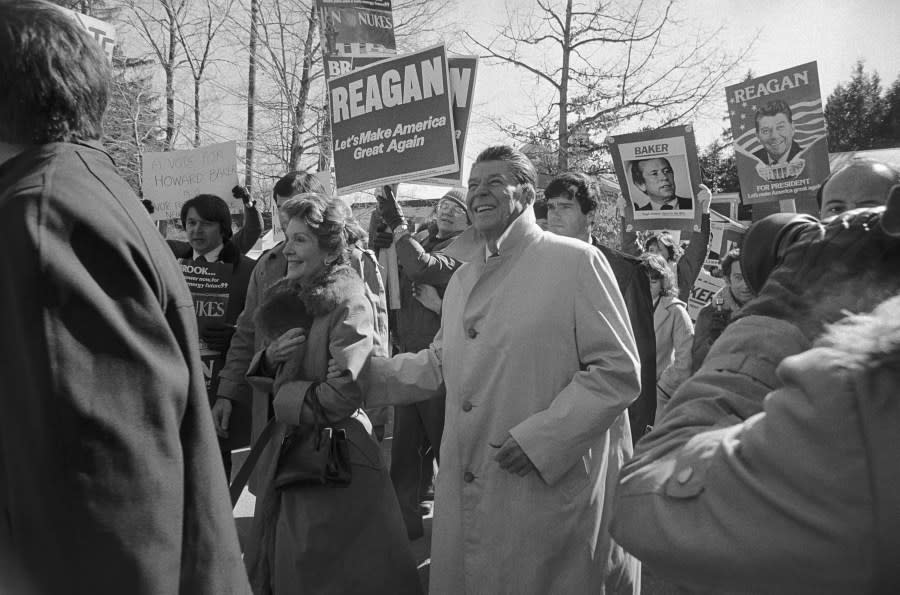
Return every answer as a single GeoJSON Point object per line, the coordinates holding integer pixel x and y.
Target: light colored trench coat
{"type": "Point", "coordinates": [535, 343]}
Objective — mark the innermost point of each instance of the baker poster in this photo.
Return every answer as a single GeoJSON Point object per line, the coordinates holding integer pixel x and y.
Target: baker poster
{"type": "Point", "coordinates": [780, 143]}
{"type": "Point", "coordinates": [392, 121]}
{"type": "Point", "coordinates": [171, 178]}
{"type": "Point", "coordinates": [659, 174]}
{"type": "Point", "coordinates": [462, 87]}
{"type": "Point", "coordinates": [210, 284]}
{"type": "Point", "coordinates": [357, 27]}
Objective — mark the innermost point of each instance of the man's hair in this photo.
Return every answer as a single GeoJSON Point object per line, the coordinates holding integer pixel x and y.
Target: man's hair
{"type": "Point", "coordinates": [637, 176]}
{"type": "Point", "coordinates": [851, 163]}
{"type": "Point", "coordinates": [733, 256]}
{"type": "Point", "coordinates": [577, 187]}
{"type": "Point", "coordinates": [298, 182]}
{"type": "Point", "coordinates": [523, 169]}
{"type": "Point", "coordinates": [772, 108]}
{"type": "Point", "coordinates": [330, 219]}
{"type": "Point", "coordinates": [56, 77]}
{"type": "Point", "coordinates": [540, 208]}
{"type": "Point", "coordinates": [211, 208]}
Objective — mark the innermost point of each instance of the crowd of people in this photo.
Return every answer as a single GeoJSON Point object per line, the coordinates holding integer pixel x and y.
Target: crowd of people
{"type": "Point", "coordinates": [580, 425]}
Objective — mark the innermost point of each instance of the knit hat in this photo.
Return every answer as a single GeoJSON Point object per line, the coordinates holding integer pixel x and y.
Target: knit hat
{"type": "Point", "coordinates": [458, 196]}
{"type": "Point", "coordinates": [765, 243]}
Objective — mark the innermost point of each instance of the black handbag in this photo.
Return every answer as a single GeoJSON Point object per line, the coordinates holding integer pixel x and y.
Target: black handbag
{"type": "Point", "coordinates": [317, 456]}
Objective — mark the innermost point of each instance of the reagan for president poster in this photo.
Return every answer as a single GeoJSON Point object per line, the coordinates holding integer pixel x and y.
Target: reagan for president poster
{"type": "Point", "coordinates": [780, 143]}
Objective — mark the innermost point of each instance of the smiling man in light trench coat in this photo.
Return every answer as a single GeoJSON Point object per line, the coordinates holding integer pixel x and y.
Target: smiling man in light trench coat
{"type": "Point", "coordinates": [539, 362]}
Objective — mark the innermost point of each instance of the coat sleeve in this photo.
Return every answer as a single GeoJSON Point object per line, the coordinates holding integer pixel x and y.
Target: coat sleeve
{"type": "Point", "coordinates": [628, 239]}
{"type": "Point", "coordinates": [702, 336]}
{"type": "Point", "coordinates": [682, 339]}
{"type": "Point", "coordinates": [640, 311]}
{"type": "Point", "coordinates": [739, 505]}
{"type": "Point", "coordinates": [240, 351]}
{"type": "Point", "coordinates": [407, 378]}
{"type": "Point", "coordinates": [244, 238]}
{"type": "Point", "coordinates": [607, 382]}
{"type": "Point", "coordinates": [419, 266]}
{"type": "Point", "coordinates": [350, 343]}
{"type": "Point", "coordinates": [691, 262]}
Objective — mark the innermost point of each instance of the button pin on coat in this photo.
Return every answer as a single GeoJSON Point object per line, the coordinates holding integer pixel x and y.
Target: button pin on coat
{"type": "Point", "coordinates": [468, 477]}
{"type": "Point", "coordinates": [467, 406]}
{"type": "Point", "coordinates": [472, 333]}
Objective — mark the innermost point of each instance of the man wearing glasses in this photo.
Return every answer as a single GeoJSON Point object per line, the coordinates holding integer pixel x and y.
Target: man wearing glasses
{"type": "Point", "coordinates": [424, 273]}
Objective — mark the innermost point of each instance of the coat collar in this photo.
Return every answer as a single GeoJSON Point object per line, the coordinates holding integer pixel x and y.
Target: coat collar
{"type": "Point", "coordinates": [469, 246]}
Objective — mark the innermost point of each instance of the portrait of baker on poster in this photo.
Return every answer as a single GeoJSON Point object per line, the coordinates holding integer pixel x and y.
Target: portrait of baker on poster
{"type": "Point", "coordinates": [780, 142]}
{"type": "Point", "coordinates": [657, 175]}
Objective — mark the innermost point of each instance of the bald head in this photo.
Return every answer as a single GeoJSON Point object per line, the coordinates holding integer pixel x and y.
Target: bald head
{"type": "Point", "coordinates": [862, 183]}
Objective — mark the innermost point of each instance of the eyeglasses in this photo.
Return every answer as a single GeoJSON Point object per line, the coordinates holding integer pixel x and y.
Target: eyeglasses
{"type": "Point", "coordinates": [450, 208]}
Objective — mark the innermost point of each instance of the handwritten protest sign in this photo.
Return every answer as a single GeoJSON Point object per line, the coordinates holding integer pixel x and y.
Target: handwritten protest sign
{"type": "Point", "coordinates": [779, 134]}
{"type": "Point", "coordinates": [103, 32]}
{"type": "Point", "coordinates": [210, 285]}
{"type": "Point", "coordinates": [705, 287]}
{"type": "Point", "coordinates": [391, 121]}
{"type": "Point", "coordinates": [462, 87]}
{"type": "Point", "coordinates": [171, 178]}
{"type": "Point", "coordinates": [357, 27]}
{"type": "Point", "coordinates": [659, 175]}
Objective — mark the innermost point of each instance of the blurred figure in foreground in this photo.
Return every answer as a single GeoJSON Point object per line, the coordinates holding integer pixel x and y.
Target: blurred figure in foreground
{"type": "Point", "coordinates": [110, 480]}
{"type": "Point", "coordinates": [775, 469]}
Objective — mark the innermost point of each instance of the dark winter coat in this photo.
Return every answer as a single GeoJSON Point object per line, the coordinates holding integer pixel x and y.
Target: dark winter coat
{"type": "Point", "coordinates": [110, 476]}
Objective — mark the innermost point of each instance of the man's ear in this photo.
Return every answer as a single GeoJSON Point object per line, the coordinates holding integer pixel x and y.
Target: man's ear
{"type": "Point", "coordinates": [528, 194]}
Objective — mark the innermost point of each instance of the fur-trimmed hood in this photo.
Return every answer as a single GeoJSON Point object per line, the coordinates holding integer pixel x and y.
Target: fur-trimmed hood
{"type": "Point", "coordinates": [288, 305]}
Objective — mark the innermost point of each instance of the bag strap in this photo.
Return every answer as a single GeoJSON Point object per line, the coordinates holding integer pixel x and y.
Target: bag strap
{"type": "Point", "coordinates": [243, 474]}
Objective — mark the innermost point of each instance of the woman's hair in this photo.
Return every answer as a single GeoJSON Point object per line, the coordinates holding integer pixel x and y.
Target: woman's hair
{"type": "Point", "coordinates": [330, 219]}
{"type": "Point", "coordinates": [665, 240]}
{"type": "Point", "coordinates": [658, 268]}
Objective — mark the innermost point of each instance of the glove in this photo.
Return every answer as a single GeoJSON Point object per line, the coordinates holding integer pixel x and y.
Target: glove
{"type": "Point", "coordinates": [390, 208]}
{"type": "Point", "coordinates": [382, 238]}
{"type": "Point", "coordinates": [242, 193]}
{"type": "Point", "coordinates": [849, 264]}
{"type": "Point", "coordinates": [217, 336]}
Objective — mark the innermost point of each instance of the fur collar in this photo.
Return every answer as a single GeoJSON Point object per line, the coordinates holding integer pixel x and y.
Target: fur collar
{"type": "Point", "coordinates": [288, 305]}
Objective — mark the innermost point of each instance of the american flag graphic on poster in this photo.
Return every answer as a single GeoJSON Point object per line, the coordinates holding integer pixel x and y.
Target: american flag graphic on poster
{"type": "Point", "coordinates": [780, 141]}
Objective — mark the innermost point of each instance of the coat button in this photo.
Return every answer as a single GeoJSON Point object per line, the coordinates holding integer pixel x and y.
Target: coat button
{"type": "Point", "coordinates": [472, 333]}
{"type": "Point", "coordinates": [684, 475]}
{"type": "Point", "coordinates": [467, 406]}
{"type": "Point", "coordinates": [468, 477]}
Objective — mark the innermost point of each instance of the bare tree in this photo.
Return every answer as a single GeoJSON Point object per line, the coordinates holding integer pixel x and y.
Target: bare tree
{"type": "Point", "coordinates": [196, 33]}
{"type": "Point", "coordinates": [605, 65]}
{"type": "Point", "coordinates": [251, 95]}
{"type": "Point", "coordinates": [156, 21]}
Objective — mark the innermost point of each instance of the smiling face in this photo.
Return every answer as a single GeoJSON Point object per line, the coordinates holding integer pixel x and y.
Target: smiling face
{"type": "Point", "coordinates": [204, 235]}
{"type": "Point", "coordinates": [776, 134]}
{"type": "Point", "coordinates": [451, 218]}
{"type": "Point", "coordinates": [739, 288]}
{"type": "Point", "coordinates": [659, 179]}
{"type": "Point", "coordinates": [564, 217]}
{"type": "Point", "coordinates": [494, 197]}
{"type": "Point", "coordinates": [301, 249]}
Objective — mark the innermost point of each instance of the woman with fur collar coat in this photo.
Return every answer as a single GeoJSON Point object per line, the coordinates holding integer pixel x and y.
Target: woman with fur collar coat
{"type": "Point", "coordinates": [323, 539]}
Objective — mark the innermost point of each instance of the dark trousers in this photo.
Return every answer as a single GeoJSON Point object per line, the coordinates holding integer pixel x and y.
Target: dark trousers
{"type": "Point", "coordinates": [415, 445]}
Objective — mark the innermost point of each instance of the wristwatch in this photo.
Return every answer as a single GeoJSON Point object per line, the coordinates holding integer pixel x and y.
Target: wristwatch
{"type": "Point", "coordinates": [400, 231]}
